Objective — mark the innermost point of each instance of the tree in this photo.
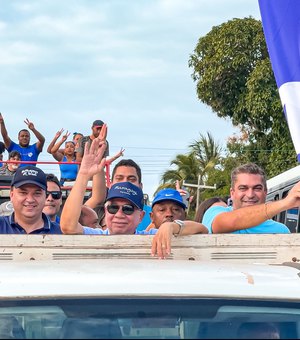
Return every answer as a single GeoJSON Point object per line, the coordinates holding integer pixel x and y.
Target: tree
{"type": "Point", "coordinates": [187, 168]}
{"type": "Point", "coordinates": [208, 153]}
{"type": "Point", "coordinates": [204, 156]}
{"type": "Point", "coordinates": [234, 77]}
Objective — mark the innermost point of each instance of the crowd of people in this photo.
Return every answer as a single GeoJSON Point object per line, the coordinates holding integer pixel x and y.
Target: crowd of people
{"type": "Point", "coordinates": [116, 204]}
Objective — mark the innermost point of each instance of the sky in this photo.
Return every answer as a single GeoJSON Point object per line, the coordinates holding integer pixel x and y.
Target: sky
{"type": "Point", "coordinates": [66, 63]}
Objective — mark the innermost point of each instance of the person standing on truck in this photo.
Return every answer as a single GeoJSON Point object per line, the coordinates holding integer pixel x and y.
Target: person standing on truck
{"type": "Point", "coordinates": [28, 152]}
{"type": "Point", "coordinates": [97, 126]}
{"type": "Point", "coordinates": [28, 197]}
{"type": "Point", "coordinates": [250, 213]}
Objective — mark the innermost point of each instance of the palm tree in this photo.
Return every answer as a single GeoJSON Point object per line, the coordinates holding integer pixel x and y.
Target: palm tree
{"type": "Point", "coordinates": [186, 169]}
{"type": "Point", "coordinates": [208, 153]}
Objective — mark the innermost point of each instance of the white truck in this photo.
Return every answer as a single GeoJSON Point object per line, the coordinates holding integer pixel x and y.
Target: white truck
{"type": "Point", "coordinates": [93, 287]}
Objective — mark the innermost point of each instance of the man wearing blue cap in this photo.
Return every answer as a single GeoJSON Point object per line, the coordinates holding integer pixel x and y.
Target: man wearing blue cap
{"type": "Point", "coordinates": [123, 206]}
{"type": "Point", "coordinates": [28, 197]}
{"type": "Point", "coordinates": [167, 206]}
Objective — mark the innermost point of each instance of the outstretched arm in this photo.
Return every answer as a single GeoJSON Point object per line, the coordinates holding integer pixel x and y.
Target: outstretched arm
{"type": "Point", "coordinates": [41, 139]}
{"type": "Point", "coordinates": [4, 133]}
{"type": "Point", "coordinates": [247, 217]}
{"type": "Point", "coordinates": [116, 156]}
{"type": "Point", "coordinates": [92, 163]}
{"type": "Point", "coordinates": [161, 243]}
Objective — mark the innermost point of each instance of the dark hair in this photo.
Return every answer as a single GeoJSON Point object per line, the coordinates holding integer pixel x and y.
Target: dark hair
{"type": "Point", "coordinates": [249, 168]}
{"type": "Point", "coordinates": [23, 131]}
{"type": "Point", "coordinates": [206, 205]}
{"type": "Point", "coordinates": [14, 154]}
{"type": "Point", "coordinates": [128, 162]}
{"type": "Point", "coordinates": [53, 178]}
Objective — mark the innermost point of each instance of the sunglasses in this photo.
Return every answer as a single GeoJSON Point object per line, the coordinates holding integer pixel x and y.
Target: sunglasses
{"type": "Point", "coordinates": [56, 195]}
{"type": "Point", "coordinates": [126, 208]}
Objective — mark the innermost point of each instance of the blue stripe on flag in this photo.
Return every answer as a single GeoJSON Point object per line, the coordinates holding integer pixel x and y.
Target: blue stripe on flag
{"type": "Point", "coordinates": [281, 25]}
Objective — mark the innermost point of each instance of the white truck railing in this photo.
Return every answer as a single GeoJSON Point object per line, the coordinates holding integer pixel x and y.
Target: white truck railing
{"type": "Point", "coordinates": [258, 248]}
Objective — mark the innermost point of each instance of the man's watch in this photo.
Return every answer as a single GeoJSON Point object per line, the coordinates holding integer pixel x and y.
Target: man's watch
{"type": "Point", "coordinates": [181, 226]}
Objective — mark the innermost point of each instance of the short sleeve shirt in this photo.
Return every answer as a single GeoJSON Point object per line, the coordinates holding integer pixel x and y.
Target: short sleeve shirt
{"type": "Point", "coordinates": [9, 226]}
{"type": "Point", "coordinates": [30, 153]}
{"type": "Point", "coordinates": [267, 227]}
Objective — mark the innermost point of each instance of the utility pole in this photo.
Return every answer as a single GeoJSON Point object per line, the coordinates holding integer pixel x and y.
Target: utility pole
{"type": "Point", "coordinates": [199, 186]}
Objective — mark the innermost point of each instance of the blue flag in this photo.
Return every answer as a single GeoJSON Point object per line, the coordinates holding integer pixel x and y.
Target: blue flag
{"type": "Point", "coordinates": [281, 25]}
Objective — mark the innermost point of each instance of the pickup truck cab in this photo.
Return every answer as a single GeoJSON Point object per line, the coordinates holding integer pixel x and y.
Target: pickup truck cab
{"type": "Point", "coordinates": [93, 287]}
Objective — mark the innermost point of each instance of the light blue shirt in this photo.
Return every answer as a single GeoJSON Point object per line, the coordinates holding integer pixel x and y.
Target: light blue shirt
{"type": "Point", "coordinates": [92, 231]}
{"type": "Point", "coordinates": [267, 227]}
{"type": "Point", "coordinates": [146, 219]}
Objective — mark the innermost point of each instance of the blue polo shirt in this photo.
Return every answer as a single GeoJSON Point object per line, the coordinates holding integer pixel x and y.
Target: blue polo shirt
{"type": "Point", "coordinates": [9, 226]}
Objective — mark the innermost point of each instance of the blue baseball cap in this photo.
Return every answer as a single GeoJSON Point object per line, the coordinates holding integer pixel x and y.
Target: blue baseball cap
{"type": "Point", "coordinates": [169, 195]}
{"type": "Point", "coordinates": [29, 174]}
{"type": "Point", "coordinates": [128, 191]}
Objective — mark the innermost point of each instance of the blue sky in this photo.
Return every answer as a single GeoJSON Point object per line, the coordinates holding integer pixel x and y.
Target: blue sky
{"type": "Point", "coordinates": [65, 63]}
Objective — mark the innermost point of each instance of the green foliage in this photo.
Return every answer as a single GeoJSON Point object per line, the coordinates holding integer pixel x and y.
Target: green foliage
{"type": "Point", "coordinates": [232, 69]}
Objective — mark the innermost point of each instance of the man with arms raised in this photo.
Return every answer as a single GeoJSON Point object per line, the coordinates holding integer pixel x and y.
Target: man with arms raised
{"type": "Point", "coordinates": [249, 212]}
{"type": "Point", "coordinates": [28, 152]}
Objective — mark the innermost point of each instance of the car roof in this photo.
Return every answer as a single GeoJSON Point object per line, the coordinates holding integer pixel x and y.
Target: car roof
{"type": "Point", "coordinates": [147, 278]}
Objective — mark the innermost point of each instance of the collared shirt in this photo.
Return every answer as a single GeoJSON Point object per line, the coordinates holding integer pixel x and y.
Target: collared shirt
{"type": "Point", "coordinates": [9, 226]}
{"type": "Point", "coordinates": [266, 227]}
{"type": "Point", "coordinates": [97, 231]}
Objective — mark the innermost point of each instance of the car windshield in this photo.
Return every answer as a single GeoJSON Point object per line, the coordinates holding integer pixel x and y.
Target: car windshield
{"type": "Point", "coordinates": [142, 318]}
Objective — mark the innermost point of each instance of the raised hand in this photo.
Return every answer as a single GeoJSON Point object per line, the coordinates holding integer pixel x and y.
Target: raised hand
{"type": "Point", "coordinates": [58, 133]}
{"type": "Point", "coordinates": [65, 136]}
{"type": "Point", "coordinates": [103, 133]}
{"type": "Point", "coordinates": [92, 161]}
{"type": "Point", "coordinates": [181, 191]}
{"type": "Point", "coordinates": [29, 124]}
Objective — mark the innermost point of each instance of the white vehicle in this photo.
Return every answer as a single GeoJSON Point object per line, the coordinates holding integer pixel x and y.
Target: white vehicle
{"type": "Point", "coordinates": [213, 286]}
{"type": "Point", "coordinates": [278, 188]}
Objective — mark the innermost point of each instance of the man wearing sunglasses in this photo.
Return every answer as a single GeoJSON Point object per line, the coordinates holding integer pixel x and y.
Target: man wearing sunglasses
{"type": "Point", "coordinates": [123, 206]}
{"type": "Point", "coordinates": [28, 197]}
{"type": "Point", "coordinates": [53, 198]}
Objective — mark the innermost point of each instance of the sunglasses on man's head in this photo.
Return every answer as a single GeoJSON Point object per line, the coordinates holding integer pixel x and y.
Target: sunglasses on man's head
{"type": "Point", "coordinates": [127, 209]}
{"type": "Point", "coordinates": [56, 195]}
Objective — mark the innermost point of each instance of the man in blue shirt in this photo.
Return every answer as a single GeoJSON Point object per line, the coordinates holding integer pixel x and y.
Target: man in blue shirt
{"type": "Point", "coordinates": [28, 196]}
{"type": "Point", "coordinates": [249, 212]}
{"type": "Point", "coordinates": [28, 152]}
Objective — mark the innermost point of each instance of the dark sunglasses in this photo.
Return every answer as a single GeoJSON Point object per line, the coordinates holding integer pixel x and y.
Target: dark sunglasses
{"type": "Point", "coordinates": [126, 208]}
{"type": "Point", "coordinates": [56, 195]}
